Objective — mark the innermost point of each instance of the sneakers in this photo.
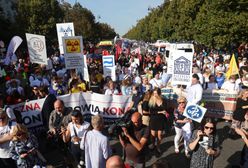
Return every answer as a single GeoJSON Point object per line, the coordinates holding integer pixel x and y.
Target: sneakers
{"type": "Point", "coordinates": [176, 150]}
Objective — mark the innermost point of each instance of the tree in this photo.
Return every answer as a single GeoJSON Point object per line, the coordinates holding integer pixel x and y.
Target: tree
{"type": "Point", "coordinates": [39, 17]}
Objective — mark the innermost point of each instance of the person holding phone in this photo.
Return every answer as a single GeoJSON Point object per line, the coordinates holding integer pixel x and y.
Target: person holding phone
{"type": "Point", "coordinates": [204, 144]}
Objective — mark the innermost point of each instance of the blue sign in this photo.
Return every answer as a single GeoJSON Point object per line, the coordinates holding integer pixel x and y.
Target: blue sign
{"type": "Point", "coordinates": [194, 112]}
{"type": "Point", "coordinates": [108, 61]}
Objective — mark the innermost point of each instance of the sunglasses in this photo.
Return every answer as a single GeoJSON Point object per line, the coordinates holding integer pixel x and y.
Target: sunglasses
{"type": "Point", "coordinates": [181, 102]}
{"type": "Point", "coordinates": [211, 128]}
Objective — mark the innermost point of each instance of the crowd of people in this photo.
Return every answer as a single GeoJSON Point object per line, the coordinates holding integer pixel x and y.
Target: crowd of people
{"type": "Point", "coordinates": [140, 76]}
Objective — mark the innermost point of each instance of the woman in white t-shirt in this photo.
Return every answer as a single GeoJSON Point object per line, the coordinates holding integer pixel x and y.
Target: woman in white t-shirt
{"type": "Point", "coordinates": [6, 128]}
{"type": "Point", "coordinates": [74, 133]}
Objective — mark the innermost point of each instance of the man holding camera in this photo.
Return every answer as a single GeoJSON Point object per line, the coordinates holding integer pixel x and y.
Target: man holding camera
{"type": "Point", "coordinates": [59, 118]}
{"type": "Point", "coordinates": [135, 141]}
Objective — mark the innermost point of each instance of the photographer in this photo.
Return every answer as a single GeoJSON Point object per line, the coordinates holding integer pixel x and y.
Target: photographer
{"type": "Point", "coordinates": [134, 141]}
{"type": "Point", "coordinates": [204, 144]}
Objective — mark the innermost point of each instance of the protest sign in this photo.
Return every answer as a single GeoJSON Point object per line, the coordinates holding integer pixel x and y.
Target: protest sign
{"type": "Point", "coordinates": [110, 107]}
{"type": "Point", "coordinates": [73, 52]}
{"type": "Point", "coordinates": [64, 30]}
{"type": "Point", "coordinates": [108, 62]}
{"type": "Point", "coordinates": [194, 112]}
{"type": "Point", "coordinates": [182, 67]}
{"type": "Point", "coordinates": [37, 48]}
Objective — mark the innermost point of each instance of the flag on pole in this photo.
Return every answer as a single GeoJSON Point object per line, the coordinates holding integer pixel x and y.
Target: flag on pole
{"type": "Point", "coordinates": [233, 68]}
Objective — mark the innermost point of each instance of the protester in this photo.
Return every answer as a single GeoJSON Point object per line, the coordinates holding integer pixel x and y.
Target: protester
{"type": "Point", "coordinates": [194, 92]}
{"type": "Point", "coordinates": [219, 78]}
{"type": "Point", "coordinates": [156, 81]}
{"type": "Point", "coordinates": [241, 109]}
{"type": "Point", "coordinates": [135, 141]}
{"type": "Point", "coordinates": [145, 108]}
{"type": "Point", "coordinates": [24, 148]}
{"type": "Point", "coordinates": [182, 126]}
{"type": "Point", "coordinates": [48, 105]}
{"type": "Point", "coordinates": [74, 133]}
{"type": "Point", "coordinates": [244, 135]}
{"type": "Point", "coordinates": [136, 98]}
{"type": "Point", "coordinates": [95, 144]}
{"type": "Point", "coordinates": [111, 90]}
{"type": "Point", "coordinates": [6, 129]}
{"type": "Point", "coordinates": [59, 117]}
{"type": "Point", "coordinates": [204, 145]}
{"type": "Point", "coordinates": [157, 107]}
{"type": "Point", "coordinates": [230, 84]}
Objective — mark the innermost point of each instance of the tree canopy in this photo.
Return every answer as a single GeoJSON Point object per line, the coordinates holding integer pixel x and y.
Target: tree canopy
{"type": "Point", "coordinates": [213, 23]}
{"type": "Point", "coordinates": [40, 17]}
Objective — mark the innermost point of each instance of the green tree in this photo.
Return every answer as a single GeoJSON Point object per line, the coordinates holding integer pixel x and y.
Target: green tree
{"type": "Point", "coordinates": [39, 17]}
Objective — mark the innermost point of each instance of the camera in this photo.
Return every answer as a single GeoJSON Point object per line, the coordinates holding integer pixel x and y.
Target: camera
{"type": "Point", "coordinates": [115, 129]}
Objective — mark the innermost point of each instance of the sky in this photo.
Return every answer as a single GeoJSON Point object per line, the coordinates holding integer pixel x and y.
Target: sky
{"type": "Point", "coordinates": [119, 14]}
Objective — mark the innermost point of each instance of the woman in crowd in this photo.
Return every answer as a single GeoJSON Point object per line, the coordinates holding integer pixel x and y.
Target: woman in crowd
{"type": "Point", "coordinates": [111, 90]}
{"type": "Point", "coordinates": [244, 135]}
{"type": "Point", "coordinates": [24, 148]}
{"type": "Point", "coordinates": [6, 129]}
{"type": "Point", "coordinates": [204, 144]}
{"type": "Point", "coordinates": [211, 84]}
{"type": "Point", "coordinates": [145, 108]}
{"type": "Point", "coordinates": [182, 126]}
{"type": "Point", "coordinates": [157, 106]}
{"type": "Point", "coordinates": [241, 108]}
{"type": "Point", "coordinates": [74, 132]}
{"type": "Point", "coordinates": [126, 85]}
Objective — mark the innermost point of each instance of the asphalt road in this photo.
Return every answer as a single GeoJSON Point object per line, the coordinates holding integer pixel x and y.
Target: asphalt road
{"type": "Point", "coordinates": [229, 157]}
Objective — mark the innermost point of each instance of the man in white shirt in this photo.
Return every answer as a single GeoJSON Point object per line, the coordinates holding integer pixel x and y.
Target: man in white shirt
{"type": "Point", "coordinates": [95, 144]}
{"type": "Point", "coordinates": [230, 85]}
{"type": "Point", "coordinates": [156, 81]}
{"type": "Point", "coordinates": [194, 92]}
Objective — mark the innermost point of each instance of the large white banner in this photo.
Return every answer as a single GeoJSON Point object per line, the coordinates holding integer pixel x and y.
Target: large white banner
{"type": "Point", "coordinates": [108, 62]}
{"type": "Point", "coordinates": [73, 52]}
{"type": "Point", "coordinates": [64, 30]}
{"type": "Point", "coordinates": [110, 107]}
{"type": "Point", "coordinates": [37, 48]}
{"type": "Point", "coordinates": [182, 67]}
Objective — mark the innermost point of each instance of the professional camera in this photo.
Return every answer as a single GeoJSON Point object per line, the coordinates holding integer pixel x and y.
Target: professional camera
{"type": "Point", "coordinates": [115, 129]}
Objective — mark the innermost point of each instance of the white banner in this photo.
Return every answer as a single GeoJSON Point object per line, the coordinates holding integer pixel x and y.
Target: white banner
{"type": "Point", "coordinates": [12, 47]}
{"type": "Point", "coordinates": [108, 62]}
{"type": "Point", "coordinates": [31, 112]}
{"type": "Point", "coordinates": [37, 48]}
{"type": "Point", "coordinates": [111, 107]}
{"type": "Point", "coordinates": [64, 30]}
{"type": "Point", "coordinates": [182, 67]}
{"type": "Point", "coordinates": [73, 51]}
{"type": "Point", "coordinates": [194, 112]}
